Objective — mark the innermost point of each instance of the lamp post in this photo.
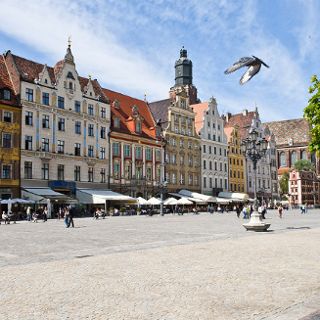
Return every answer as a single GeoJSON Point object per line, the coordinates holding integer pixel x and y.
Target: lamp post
{"type": "Point", "coordinates": [254, 148]}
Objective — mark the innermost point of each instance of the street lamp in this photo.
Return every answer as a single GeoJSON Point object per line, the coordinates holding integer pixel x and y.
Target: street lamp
{"type": "Point", "coordinates": [254, 149]}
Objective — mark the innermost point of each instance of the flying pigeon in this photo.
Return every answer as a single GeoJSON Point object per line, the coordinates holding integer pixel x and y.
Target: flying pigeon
{"type": "Point", "coordinates": [253, 64]}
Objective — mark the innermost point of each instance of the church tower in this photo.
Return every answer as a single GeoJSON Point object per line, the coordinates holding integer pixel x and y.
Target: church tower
{"type": "Point", "coordinates": [183, 77]}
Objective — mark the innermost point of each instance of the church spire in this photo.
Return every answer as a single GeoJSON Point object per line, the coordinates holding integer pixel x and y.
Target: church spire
{"type": "Point", "coordinates": [69, 56]}
{"type": "Point", "coordinates": [183, 69]}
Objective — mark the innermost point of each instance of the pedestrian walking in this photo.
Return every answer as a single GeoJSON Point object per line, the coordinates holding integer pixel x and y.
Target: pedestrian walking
{"type": "Point", "coordinates": [59, 213]}
{"type": "Point", "coordinates": [28, 213]}
{"type": "Point", "coordinates": [5, 218]}
{"type": "Point", "coordinates": [45, 214]}
{"type": "Point", "coordinates": [238, 211]}
{"type": "Point", "coordinates": [280, 210]}
{"type": "Point", "coordinates": [66, 217]}
{"type": "Point", "coordinates": [71, 215]}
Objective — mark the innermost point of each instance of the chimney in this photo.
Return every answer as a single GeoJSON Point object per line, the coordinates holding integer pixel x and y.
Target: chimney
{"type": "Point", "coordinates": [245, 112]}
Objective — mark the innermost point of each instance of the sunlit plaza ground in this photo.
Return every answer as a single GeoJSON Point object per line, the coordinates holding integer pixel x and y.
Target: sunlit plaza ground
{"type": "Point", "coordinates": [172, 267]}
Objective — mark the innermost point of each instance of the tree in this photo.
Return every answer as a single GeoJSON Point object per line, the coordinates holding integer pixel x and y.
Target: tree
{"type": "Point", "coordinates": [312, 114]}
{"type": "Point", "coordinates": [304, 165]}
{"type": "Point", "coordinates": [284, 183]}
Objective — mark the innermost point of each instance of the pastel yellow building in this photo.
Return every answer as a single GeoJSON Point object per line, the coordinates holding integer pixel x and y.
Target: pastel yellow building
{"type": "Point", "coordinates": [237, 179]}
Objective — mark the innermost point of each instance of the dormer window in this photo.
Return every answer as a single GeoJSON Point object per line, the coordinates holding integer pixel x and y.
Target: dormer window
{"type": "Point", "coordinates": [116, 104]}
{"type": "Point", "coordinates": [70, 86]}
{"type": "Point", "coordinates": [116, 122]}
{"type": "Point", "coordinates": [46, 81]}
{"type": "Point", "coordinates": [90, 93]}
{"type": "Point", "coordinates": [6, 94]}
{"type": "Point", "coordinates": [138, 126]}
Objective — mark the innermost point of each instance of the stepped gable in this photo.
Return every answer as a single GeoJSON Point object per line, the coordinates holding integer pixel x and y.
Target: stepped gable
{"type": "Point", "coordinates": [295, 130]}
{"type": "Point", "coordinates": [121, 107]}
{"type": "Point", "coordinates": [6, 83]}
{"type": "Point", "coordinates": [159, 110]}
{"type": "Point", "coordinates": [199, 110]}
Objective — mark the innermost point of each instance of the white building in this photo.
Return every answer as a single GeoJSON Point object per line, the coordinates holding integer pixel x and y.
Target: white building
{"type": "Point", "coordinates": [65, 126]}
{"type": "Point", "coordinates": [214, 146]}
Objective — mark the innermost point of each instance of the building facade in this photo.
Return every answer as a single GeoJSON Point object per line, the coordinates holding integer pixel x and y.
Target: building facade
{"type": "Point", "coordinates": [237, 178]}
{"type": "Point", "coordinates": [292, 139]}
{"type": "Point", "coordinates": [10, 115]}
{"type": "Point", "coordinates": [65, 125]}
{"type": "Point", "coordinates": [304, 188]}
{"type": "Point", "coordinates": [177, 119]}
{"type": "Point", "coordinates": [265, 180]}
{"type": "Point", "coordinates": [214, 159]}
{"type": "Point", "coordinates": [136, 147]}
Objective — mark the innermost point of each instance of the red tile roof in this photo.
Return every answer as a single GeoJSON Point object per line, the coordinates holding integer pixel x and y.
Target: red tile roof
{"type": "Point", "coordinates": [199, 110]}
{"type": "Point", "coordinates": [242, 120]}
{"type": "Point", "coordinates": [124, 113]}
{"type": "Point", "coordinates": [6, 83]}
{"type": "Point", "coordinates": [30, 70]}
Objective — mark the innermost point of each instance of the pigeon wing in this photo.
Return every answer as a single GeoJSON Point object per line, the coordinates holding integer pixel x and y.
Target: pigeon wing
{"type": "Point", "coordinates": [245, 61]}
{"type": "Point", "coordinates": [252, 71]}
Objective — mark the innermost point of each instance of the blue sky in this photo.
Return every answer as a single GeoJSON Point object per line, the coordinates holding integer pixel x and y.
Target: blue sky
{"type": "Point", "coordinates": [131, 46]}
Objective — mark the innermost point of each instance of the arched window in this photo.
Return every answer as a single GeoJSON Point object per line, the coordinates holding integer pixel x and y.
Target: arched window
{"type": "Point", "coordinates": [283, 161]}
{"type": "Point", "coordinates": [293, 158]}
{"type": "Point", "coordinates": [304, 154]}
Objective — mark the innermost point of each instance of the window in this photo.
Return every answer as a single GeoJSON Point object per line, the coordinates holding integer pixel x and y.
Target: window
{"type": "Point", "coordinates": [204, 182]}
{"type": "Point", "coordinates": [127, 170]}
{"type": "Point", "coordinates": [304, 155]}
{"type": "Point", "coordinates": [6, 94]}
{"type": "Point", "coordinates": [181, 178]}
{"type": "Point", "coordinates": [225, 167]}
{"type": "Point", "coordinates": [90, 110]}
{"type": "Point", "coordinates": [209, 124]}
{"type": "Point", "coordinates": [204, 164]}
{"type": "Point", "coordinates": [204, 148]}
{"type": "Point", "coordinates": [215, 166]}
{"type": "Point", "coordinates": [60, 102]}
{"type": "Point", "coordinates": [190, 179]}
{"type": "Point", "coordinates": [283, 160]}
{"type": "Point", "coordinates": [77, 173]}
{"type": "Point", "coordinates": [6, 140]}
{"type": "Point", "coordinates": [28, 142]}
{"type": "Point", "coordinates": [127, 151]}
{"type": "Point", "coordinates": [103, 112]}
{"type": "Point", "coordinates": [29, 94]}
{"type": "Point", "coordinates": [174, 178]}
{"type": "Point", "coordinates": [209, 136]}
{"type": "Point", "coordinates": [174, 159]}
{"type": "Point", "coordinates": [293, 158]}
{"type": "Point", "coordinates": [116, 169]}
{"type": "Point", "coordinates": [218, 126]}
{"type": "Point", "coordinates": [148, 154]}
{"type": "Point", "coordinates": [77, 106]}
{"type": "Point", "coordinates": [149, 173]}
{"type": "Point", "coordinates": [45, 144]}
{"type": "Point", "coordinates": [29, 118]}
{"type": "Point", "coordinates": [77, 127]}
{"type": "Point", "coordinates": [116, 122]}
{"type": "Point", "coordinates": [77, 149]}
{"type": "Point", "coordinates": [60, 172]}
{"type": "Point", "coordinates": [219, 139]}
{"type": "Point", "coordinates": [215, 150]}
{"type": "Point", "coordinates": [139, 172]}
{"type": "Point", "coordinates": [116, 148]}
{"type": "Point", "coordinates": [158, 155]}
{"type": "Point", "coordinates": [45, 98]}
{"type": "Point", "coordinates": [7, 116]}
{"type": "Point", "coordinates": [220, 152]}
{"type": "Point", "coordinates": [45, 171]}
{"type": "Point", "coordinates": [45, 121]}
{"type": "Point", "coordinates": [220, 166]}
{"type": "Point", "coordinates": [102, 153]}
{"type": "Point", "coordinates": [61, 124]}
{"type": "Point", "coordinates": [91, 130]}
{"type": "Point", "coordinates": [90, 174]}
{"type": "Point", "coordinates": [214, 137]}
{"type": "Point", "coordinates": [90, 151]}
{"type": "Point", "coordinates": [103, 132]}
{"type": "Point", "coordinates": [60, 146]}
{"type": "Point", "coordinates": [138, 153]}
{"type": "Point", "coordinates": [28, 170]}
{"type": "Point", "coordinates": [103, 175]}
{"type": "Point", "coordinates": [181, 160]}
{"type": "Point", "coordinates": [210, 165]}
{"type": "Point", "coordinates": [138, 126]}
{"type": "Point", "coordinates": [6, 171]}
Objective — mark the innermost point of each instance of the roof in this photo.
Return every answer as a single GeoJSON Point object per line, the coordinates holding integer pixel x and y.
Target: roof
{"type": "Point", "coordinates": [242, 120]}
{"type": "Point", "coordinates": [6, 83]}
{"type": "Point", "coordinates": [295, 129]}
{"type": "Point", "coordinates": [228, 131]}
{"type": "Point", "coordinates": [29, 71]}
{"type": "Point", "coordinates": [124, 112]}
{"type": "Point", "coordinates": [159, 110]}
{"type": "Point", "coordinates": [199, 110]}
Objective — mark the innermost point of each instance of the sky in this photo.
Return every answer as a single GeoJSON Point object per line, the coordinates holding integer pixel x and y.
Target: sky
{"type": "Point", "coordinates": [131, 46]}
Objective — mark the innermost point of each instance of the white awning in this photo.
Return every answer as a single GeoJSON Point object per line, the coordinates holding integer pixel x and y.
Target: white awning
{"type": "Point", "coordinates": [234, 196]}
{"type": "Point", "coordinates": [197, 201]}
{"type": "Point", "coordinates": [42, 194]}
{"type": "Point", "coordinates": [101, 196]}
{"type": "Point", "coordinates": [196, 195]}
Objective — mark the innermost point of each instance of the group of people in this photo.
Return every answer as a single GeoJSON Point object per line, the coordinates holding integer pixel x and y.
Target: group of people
{"type": "Point", "coordinates": [7, 217]}
{"type": "Point", "coordinates": [35, 215]}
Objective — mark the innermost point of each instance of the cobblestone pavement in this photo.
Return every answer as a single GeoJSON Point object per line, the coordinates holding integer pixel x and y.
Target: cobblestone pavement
{"type": "Point", "coordinates": [169, 268]}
